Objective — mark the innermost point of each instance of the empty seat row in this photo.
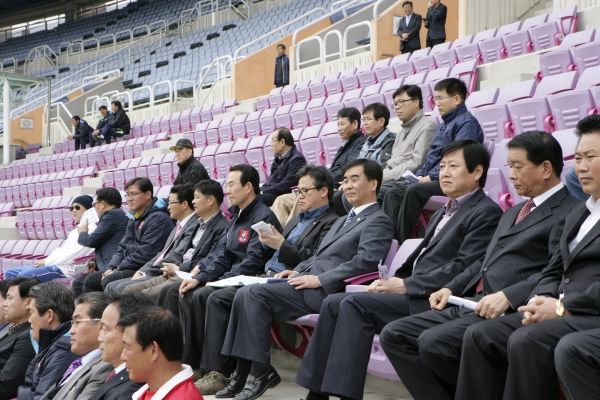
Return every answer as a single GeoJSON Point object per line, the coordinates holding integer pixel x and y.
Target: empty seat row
{"type": "Point", "coordinates": [17, 253]}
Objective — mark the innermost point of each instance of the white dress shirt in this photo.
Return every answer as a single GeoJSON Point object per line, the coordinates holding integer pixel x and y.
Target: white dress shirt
{"type": "Point", "coordinates": [594, 207]}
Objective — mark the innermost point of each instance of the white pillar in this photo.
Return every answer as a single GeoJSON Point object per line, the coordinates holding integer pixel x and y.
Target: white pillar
{"type": "Point", "coordinates": [6, 111]}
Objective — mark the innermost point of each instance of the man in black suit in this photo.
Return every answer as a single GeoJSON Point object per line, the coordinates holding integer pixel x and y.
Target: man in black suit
{"type": "Point", "coordinates": [455, 238]}
{"type": "Point", "coordinates": [208, 196]}
{"type": "Point", "coordinates": [354, 245]}
{"type": "Point", "coordinates": [435, 22]}
{"type": "Point", "coordinates": [211, 307]}
{"type": "Point", "coordinates": [408, 29]}
{"type": "Point", "coordinates": [425, 348]}
{"type": "Point", "coordinates": [117, 385]}
{"type": "Point", "coordinates": [16, 351]}
{"type": "Point", "coordinates": [514, 354]}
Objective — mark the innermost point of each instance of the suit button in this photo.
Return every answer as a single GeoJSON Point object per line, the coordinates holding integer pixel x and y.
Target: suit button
{"type": "Point", "coordinates": [484, 269]}
{"type": "Point", "coordinates": [567, 280]}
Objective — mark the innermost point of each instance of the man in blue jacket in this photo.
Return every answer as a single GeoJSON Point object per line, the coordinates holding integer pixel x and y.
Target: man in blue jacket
{"type": "Point", "coordinates": [282, 67]}
{"type": "Point", "coordinates": [51, 308]}
{"type": "Point", "coordinates": [146, 234]}
{"type": "Point", "coordinates": [404, 203]}
{"type": "Point", "coordinates": [81, 133]}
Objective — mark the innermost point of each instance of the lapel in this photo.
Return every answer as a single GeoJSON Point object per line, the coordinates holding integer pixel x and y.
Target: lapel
{"type": "Point", "coordinates": [591, 235]}
{"type": "Point", "coordinates": [77, 376]}
{"type": "Point", "coordinates": [118, 379]}
{"type": "Point", "coordinates": [312, 226]}
{"type": "Point", "coordinates": [358, 219]}
{"type": "Point", "coordinates": [206, 235]}
{"type": "Point", "coordinates": [290, 227]}
{"type": "Point", "coordinates": [8, 341]}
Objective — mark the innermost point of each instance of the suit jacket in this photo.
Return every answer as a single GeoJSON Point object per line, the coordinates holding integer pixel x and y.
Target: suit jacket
{"type": "Point", "coordinates": [283, 173]}
{"type": "Point", "coordinates": [119, 387]}
{"type": "Point", "coordinates": [348, 251]}
{"type": "Point", "coordinates": [347, 152]}
{"type": "Point", "coordinates": [214, 230]}
{"type": "Point", "coordinates": [518, 253]}
{"type": "Point", "coordinates": [413, 28]}
{"type": "Point", "coordinates": [436, 22]}
{"type": "Point", "coordinates": [308, 241]}
{"type": "Point", "coordinates": [83, 383]}
{"type": "Point", "coordinates": [16, 352]}
{"type": "Point", "coordinates": [575, 274]}
{"type": "Point", "coordinates": [174, 248]}
{"type": "Point", "coordinates": [460, 243]}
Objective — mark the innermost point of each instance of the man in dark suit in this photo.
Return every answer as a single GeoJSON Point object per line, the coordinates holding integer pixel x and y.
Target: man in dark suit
{"type": "Point", "coordinates": [425, 348]}
{"type": "Point", "coordinates": [211, 306]}
{"type": "Point", "coordinates": [408, 29]}
{"type": "Point", "coordinates": [435, 22]}
{"type": "Point", "coordinates": [354, 245]}
{"type": "Point", "coordinates": [455, 238]}
{"type": "Point", "coordinates": [16, 351]}
{"type": "Point", "coordinates": [208, 196]}
{"type": "Point", "coordinates": [514, 354]}
{"type": "Point", "coordinates": [117, 385]}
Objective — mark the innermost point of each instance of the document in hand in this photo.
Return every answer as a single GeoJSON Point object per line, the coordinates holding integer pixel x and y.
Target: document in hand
{"type": "Point", "coordinates": [242, 280]}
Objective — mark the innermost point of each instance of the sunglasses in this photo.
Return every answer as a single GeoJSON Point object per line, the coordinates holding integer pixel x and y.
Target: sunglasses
{"type": "Point", "coordinates": [75, 207]}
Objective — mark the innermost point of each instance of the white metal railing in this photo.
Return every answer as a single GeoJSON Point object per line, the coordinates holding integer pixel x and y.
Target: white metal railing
{"type": "Point", "coordinates": [8, 59]}
{"type": "Point", "coordinates": [319, 59]}
{"type": "Point", "coordinates": [150, 101]}
{"type": "Point", "coordinates": [176, 84]}
{"type": "Point", "coordinates": [110, 35]}
{"type": "Point", "coordinates": [169, 97]}
{"type": "Point", "coordinates": [381, 5]}
{"type": "Point", "coordinates": [279, 29]}
{"type": "Point", "coordinates": [59, 106]}
{"type": "Point", "coordinates": [99, 101]}
{"type": "Point", "coordinates": [222, 65]}
{"type": "Point", "coordinates": [345, 48]}
{"type": "Point", "coordinates": [43, 51]}
{"type": "Point", "coordinates": [122, 96]}
{"type": "Point", "coordinates": [327, 15]}
{"type": "Point", "coordinates": [151, 27]}
{"type": "Point", "coordinates": [327, 55]}
{"type": "Point", "coordinates": [128, 31]}
{"type": "Point", "coordinates": [87, 110]}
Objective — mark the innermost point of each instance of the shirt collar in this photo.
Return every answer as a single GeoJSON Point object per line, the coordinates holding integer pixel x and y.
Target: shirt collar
{"type": "Point", "coordinates": [89, 356]}
{"type": "Point", "coordinates": [372, 140]}
{"type": "Point", "coordinates": [186, 220]}
{"type": "Point", "coordinates": [286, 154]}
{"type": "Point", "coordinates": [453, 206]}
{"type": "Point", "coordinates": [120, 368]}
{"type": "Point", "coordinates": [538, 200]}
{"type": "Point", "coordinates": [314, 213]}
{"type": "Point", "coordinates": [593, 205]}
{"type": "Point", "coordinates": [360, 209]}
{"type": "Point", "coordinates": [201, 221]}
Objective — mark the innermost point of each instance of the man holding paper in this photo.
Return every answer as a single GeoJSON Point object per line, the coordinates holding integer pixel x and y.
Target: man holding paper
{"type": "Point", "coordinates": [425, 348]}
{"type": "Point", "coordinates": [211, 306]}
{"type": "Point", "coordinates": [455, 238]}
{"type": "Point", "coordinates": [354, 245]}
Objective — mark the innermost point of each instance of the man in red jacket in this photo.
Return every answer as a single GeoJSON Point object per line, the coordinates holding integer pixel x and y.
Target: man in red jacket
{"type": "Point", "coordinates": [153, 342]}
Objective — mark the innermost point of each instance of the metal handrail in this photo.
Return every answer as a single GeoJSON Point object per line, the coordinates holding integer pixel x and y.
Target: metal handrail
{"type": "Point", "coordinates": [97, 103]}
{"type": "Point", "coordinates": [58, 106]}
{"type": "Point", "coordinates": [143, 88]}
{"type": "Point", "coordinates": [114, 39]}
{"type": "Point", "coordinates": [122, 95]}
{"type": "Point", "coordinates": [279, 29]}
{"type": "Point", "coordinates": [74, 44]}
{"type": "Point", "coordinates": [139, 27]}
{"type": "Point", "coordinates": [309, 39]}
{"type": "Point", "coordinates": [91, 40]}
{"type": "Point", "coordinates": [162, 83]}
{"type": "Point", "coordinates": [182, 81]}
{"type": "Point", "coordinates": [339, 53]}
{"type": "Point", "coordinates": [221, 63]}
{"type": "Point", "coordinates": [157, 22]}
{"type": "Point", "coordinates": [295, 36]}
{"type": "Point", "coordinates": [86, 112]}
{"type": "Point", "coordinates": [352, 27]}
{"type": "Point", "coordinates": [376, 7]}
{"type": "Point", "coordinates": [125, 31]}
{"type": "Point", "coordinates": [8, 59]}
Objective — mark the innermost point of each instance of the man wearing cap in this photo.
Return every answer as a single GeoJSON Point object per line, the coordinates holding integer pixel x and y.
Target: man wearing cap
{"type": "Point", "coordinates": [56, 265]}
{"type": "Point", "coordinates": [191, 171]}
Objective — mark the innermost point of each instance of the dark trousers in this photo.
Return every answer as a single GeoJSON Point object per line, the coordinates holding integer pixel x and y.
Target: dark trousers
{"type": "Point", "coordinates": [211, 307]}
{"type": "Point", "coordinates": [404, 203]}
{"type": "Point", "coordinates": [256, 307]}
{"type": "Point", "coordinates": [502, 359]}
{"type": "Point", "coordinates": [109, 132]}
{"type": "Point", "coordinates": [577, 360]}
{"type": "Point", "coordinates": [94, 283]}
{"type": "Point", "coordinates": [82, 142]}
{"type": "Point", "coordinates": [425, 350]}
{"type": "Point", "coordinates": [338, 353]}
{"type": "Point", "coordinates": [166, 295]}
{"type": "Point", "coordinates": [407, 49]}
{"type": "Point", "coordinates": [387, 186]}
{"type": "Point", "coordinates": [268, 198]}
{"type": "Point", "coordinates": [433, 42]}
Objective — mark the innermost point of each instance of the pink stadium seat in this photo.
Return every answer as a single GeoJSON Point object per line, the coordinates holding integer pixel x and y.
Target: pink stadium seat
{"type": "Point", "coordinates": [208, 160]}
{"type": "Point", "coordinates": [136, 129]}
{"type": "Point", "coordinates": [253, 124]}
{"type": "Point", "coordinates": [302, 91]}
{"type": "Point", "coordinates": [566, 18]}
{"type": "Point", "coordinates": [119, 179]}
{"type": "Point", "coordinates": [561, 60]}
{"type": "Point", "coordinates": [288, 94]}
{"type": "Point", "coordinates": [351, 99]}
{"type": "Point", "coordinates": [155, 125]}
{"type": "Point", "coordinates": [466, 72]}
{"type": "Point", "coordinates": [586, 56]}
{"type": "Point", "coordinates": [267, 122]}
{"type": "Point", "coordinates": [238, 126]}
{"type": "Point", "coordinates": [492, 49]}
{"type": "Point", "coordinates": [283, 118]}
{"type": "Point", "coordinates": [256, 157]}
{"type": "Point", "coordinates": [222, 162]}
{"type": "Point", "coordinates": [262, 104]}
{"type": "Point", "coordinates": [299, 115]}
{"type": "Point", "coordinates": [571, 106]}
{"type": "Point", "coordinates": [185, 122]}
{"type": "Point", "coordinates": [225, 130]}
{"type": "Point", "coordinates": [109, 179]}
{"type": "Point", "coordinates": [312, 148]}
{"type": "Point", "coordinates": [481, 98]}
{"type": "Point", "coordinates": [423, 61]}
{"type": "Point", "coordinates": [153, 173]}
{"type": "Point", "coordinates": [212, 132]}
{"type": "Point", "coordinates": [403, 70]}
{"type": "Point", "coordinates": [519, 42]}
{"type": "Point", "coordinates": [332, 105]}
{"type": "Point", "coordinates": [172, 124]}
{"type": "Point", "coordinates": [167, 176]}
{"type": "Point", "coordinates": [443, 55]}
{"type": "Point", "coordinates": [38, 223]}
{"type": "Point", "coordinates": [317, 90]}
{"type": "Point", "coordinates": [195, 117]}
{"type": "Point", "coordinates": [275, 100]}
{"type": "Point", "coordinates": [206, 113]}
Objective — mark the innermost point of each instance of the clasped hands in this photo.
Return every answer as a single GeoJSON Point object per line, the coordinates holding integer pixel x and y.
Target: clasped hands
{"type": "Point", "coordinates": [490, 306]}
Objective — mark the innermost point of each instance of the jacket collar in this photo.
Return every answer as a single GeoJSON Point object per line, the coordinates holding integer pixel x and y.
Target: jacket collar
{"type": "Point", "coordinates": [48, 336]}
{"type": "Point", "coordinates": [187, 162]}
{"type": "Point", "coordinates": [450, 116]}
{"type": "Point", "coordinates": [151, 208]}
{"type": "Point", "coordinates": [413, 120]}
{"type": "Point", "coordinates": [235, 210]}
{"type": "Point", "coordinates": [355, 136]}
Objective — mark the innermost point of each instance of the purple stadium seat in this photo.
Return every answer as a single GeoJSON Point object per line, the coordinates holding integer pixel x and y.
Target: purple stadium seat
{"type": "Point", "coordinates": [492, 49]}
{"type": "Point", "coordinates": [120, 179]}
{"type": "Point", "coordinates": [172, 124]}
{"type": "Point", "coordinates": [283, 118]}
{"type": "Point", "coordinates": [275, 100]}
{"type": "Point", "coordinates": [238, 126]}
{"type": "Point", "coordinates": [256, 157]}
{"type": "Point", "coordinates": [422, 61]}
{"type": "Point", "coordinates": [561, 60]}
{"type": "Point", "coordinates": [38, 223]}
{"type": "Point", "coordinates": [206, 112]}
{"type": "Point", "coordinates": [481, 98]}
{"type": "Point", "coordinates": [267, 122]}
{"type": "Point", "coordinates": [519, 43]}
{"type": "Point", "coordinates": [318, 90]}
{"type": "Point", "coordinates": [571, 106]}
{"type": "Point", "coordinates": [466, 72]}
{"type": "Point", "coordinates": [443, 55]}
{"type": "Point", "coordinates": [586, 55]}
{"type": "Point", "coordinates": [436, 75]}
{"type": "Point", "coordinates": [288, 94]}
{"type": "Point", "coordinates": [237, 154]}
{"type": "Point", "coordinates": [155, 125]}
{"type": "Point", "coordinates": [333, 104]}
{"type": "Point", "coordinates": [58, 225]}
{"type": "Point", "coordinates": [374, 98]}
{"type": "Point", "coordinates": [566, 18]}
{"type": "Point", "coordinates": [299, 115]}
{"type": "Point", "coordinates": [30, 226]}
{"type": "Point", "coordinates": [253, 124]}
{"type": "Point", "coordinates": [470, 51]}
{"type": "Point", "coordinates": [568, 142]}
{"type": "Point", "coordinates": [385, 74]}
{"type": "Point", "coordinates": [146, 127]}
{"type": "Point", "coordinates": [195, 118]}
{"type": "Point", "coordinates": [331, 144]}
{"type": "Point", "coordinates": [222, 162]}
{"type": "Point", "coordinates": [349, 77]}
{"type": "Point", "coordinates": [316, 109]}
{"type": "Point", "coordinates": [352, 98]}
{"type": "Point", "coordinates": [208, 160]}
{"type": "Point", "coordinates": [311, 145]}
{"type": "Point", "coordinates": [185, 123]}
{"type": "Point", "coordinates": [303, 91]}
{"type": "Point", "coordinates": [109, 179]}
{"type": "Point", "coordinates": [415, 79]}
{"type": "Point", "coordinates": [226, 131]}
{"type": "Point", "coordinates": [212, 132]}
{"type": "Point", "coordinates": [167, 176]}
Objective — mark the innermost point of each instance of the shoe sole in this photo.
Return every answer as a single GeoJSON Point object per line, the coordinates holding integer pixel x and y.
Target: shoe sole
{"type": "Point", "coordinates": [271, 385]}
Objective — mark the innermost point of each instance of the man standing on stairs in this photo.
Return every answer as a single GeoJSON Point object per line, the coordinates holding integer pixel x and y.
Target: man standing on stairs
{"type": "Point", "coordinates": [282, 67]}
{"type": "Point", "coordinates": [191, 171]}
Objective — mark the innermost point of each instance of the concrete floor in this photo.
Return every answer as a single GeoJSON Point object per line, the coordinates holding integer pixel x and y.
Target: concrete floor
{"type": "Point", "coordinates": [289, 390]}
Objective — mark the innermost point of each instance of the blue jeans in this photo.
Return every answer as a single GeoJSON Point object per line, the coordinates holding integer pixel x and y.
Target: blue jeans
{"type": "Point", "coordinates": [574, 186]}
{"type": "Point", "coordinates": [44, 274]}
{"type": "Point", "coordinates": [109, 132]}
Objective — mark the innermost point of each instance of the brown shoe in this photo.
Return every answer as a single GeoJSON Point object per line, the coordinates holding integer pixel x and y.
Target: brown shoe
{"type": "Point", "coordinates": [198, 374]}
{"type": "Point", "coordinates": [212, 382]}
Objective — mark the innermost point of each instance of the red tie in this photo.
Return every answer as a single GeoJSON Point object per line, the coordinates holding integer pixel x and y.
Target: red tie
{"type": "Point", "coordinates": [169, 246]}
{"type": "Point", "coordinates": [525, 210]}
{"type": "Point", "coordinates": [110, 376]}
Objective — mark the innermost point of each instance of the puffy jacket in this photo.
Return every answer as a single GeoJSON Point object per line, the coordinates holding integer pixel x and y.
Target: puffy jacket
{"type": "Point", "coordinates": [238, 252]}
{"type": "Point", "coordinates": [106, 237]}
{"type": "Point", "coordinates": [120, 120]}
{"type": "Point", "coordinates": [283, 172]}
{"type": "Point", "coordinates": [145, 236]}
{"type": "Point", "coordinates": [379, 152]}
{"type": "Point", "coordinates": [83, 130]}
{"type": "Point", "coordinates": [191, 172]}
{"type": "Point", "coordinates": [347, 152]}
{"type": "Point", "coordinates": [282, 70]}
{"type": "Point", "coordinates": [49, 364]}
{"type": "Point", "coordinates": [102, 121]}
{"type": "Point", "coordinates": [458, 124]}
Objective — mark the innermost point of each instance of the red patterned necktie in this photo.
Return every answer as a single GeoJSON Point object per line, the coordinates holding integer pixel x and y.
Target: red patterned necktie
{"type": "Point", "coordinates": [110, 376]}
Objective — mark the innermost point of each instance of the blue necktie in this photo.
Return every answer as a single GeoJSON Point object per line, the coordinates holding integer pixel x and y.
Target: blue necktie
{"type": "Point", "coordinates": [351, 215]}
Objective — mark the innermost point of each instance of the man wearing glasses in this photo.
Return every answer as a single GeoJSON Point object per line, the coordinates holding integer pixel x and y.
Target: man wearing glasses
{"type": "Point", "coordinates": [88, 371]}
{"type": "Point", "coordinates": [56, 265]}
{"type": "Point", "coordinates": [404, 203]}
{"type": "Point", "coordinates": [146, 234]}
{"type": "Point", "coordinates": [412, 142]}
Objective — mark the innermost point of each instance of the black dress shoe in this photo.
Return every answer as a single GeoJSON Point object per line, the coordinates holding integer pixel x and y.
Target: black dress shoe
{"type": "Point", "coordinates": [235, 386]}
{"type": "Point", "coordinates": [315, 396]}
{"type": "Point", "coordinates": [255, 387]}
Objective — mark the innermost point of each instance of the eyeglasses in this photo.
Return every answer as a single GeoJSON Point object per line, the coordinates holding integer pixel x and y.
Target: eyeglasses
{"type": "Point", "coordinates": [129, 194]}
{"type": "Point", "coordinates": [303, 192]}
{"type": "Point", "coordinates": [400, 103]}
{"type": "Point", "coordinates": [75, 322]}
{"type": "Point", "coordinates": [440, 98]}
{"type": "Point", "coordinates": [174, 202]}
{"type": "Point", "coordinates": [75, 208]}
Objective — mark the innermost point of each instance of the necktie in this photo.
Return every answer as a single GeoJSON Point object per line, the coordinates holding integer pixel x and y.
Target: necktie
{"type": "Point", "coordinates": [74, 365]}
{"type": "Point", "coordinates": [170, 244]}
{"type": "Point", "coordinates": [112, 374]}
{"type": "Point", "coordinates": [525, 210]}
{"type": "Point", "coordinates": [351, 215]}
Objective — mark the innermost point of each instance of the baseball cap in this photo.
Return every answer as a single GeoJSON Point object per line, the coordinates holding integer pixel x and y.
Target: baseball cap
{"type": "Point", "coordinates": [181, 143]}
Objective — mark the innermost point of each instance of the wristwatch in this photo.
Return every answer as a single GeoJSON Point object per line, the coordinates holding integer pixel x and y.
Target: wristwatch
{"type": "Point", "coordinates": [560, 308]}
